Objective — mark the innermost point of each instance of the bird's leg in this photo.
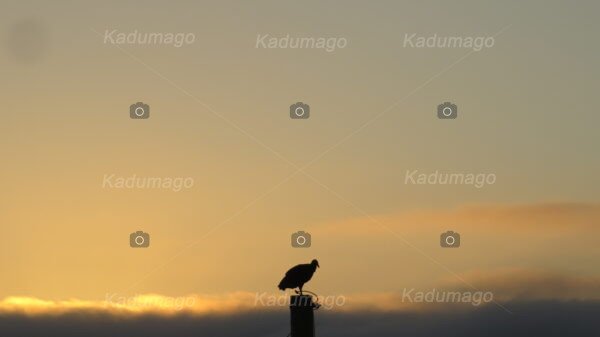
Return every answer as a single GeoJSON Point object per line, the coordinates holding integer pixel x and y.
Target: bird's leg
{"type": "Point", "coordinates": [300, 290]}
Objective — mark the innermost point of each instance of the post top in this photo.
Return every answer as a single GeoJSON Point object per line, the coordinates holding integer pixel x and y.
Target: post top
{"type": "Point", "coordinates": [301, 301]}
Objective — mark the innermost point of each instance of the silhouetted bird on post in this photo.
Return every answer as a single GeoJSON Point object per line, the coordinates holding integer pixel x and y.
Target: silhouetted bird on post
{"type": "Point", "coordinates": [298, 276]}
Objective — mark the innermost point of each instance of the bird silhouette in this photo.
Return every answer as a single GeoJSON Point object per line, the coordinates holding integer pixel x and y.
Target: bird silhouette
{"type": "Point", "coordinates": [298, 276]}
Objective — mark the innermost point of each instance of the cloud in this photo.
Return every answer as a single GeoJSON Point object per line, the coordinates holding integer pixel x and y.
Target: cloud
{"type": "Point", "coordinates": [141, 304]}
{"type": "Point", "coordinates": [541, 218]}
{"type": "Point", "coordinates": [504, 285]}
{"type": "Point", "coordinates": [540, 303]}
{"type": "Point", "coordinates": [539, 318]}
{"type": "Point", "coordinates": [519, 284]}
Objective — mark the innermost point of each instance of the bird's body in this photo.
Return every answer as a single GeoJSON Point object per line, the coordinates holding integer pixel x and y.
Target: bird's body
{"type": "Point", "coordinates": [298, 276]}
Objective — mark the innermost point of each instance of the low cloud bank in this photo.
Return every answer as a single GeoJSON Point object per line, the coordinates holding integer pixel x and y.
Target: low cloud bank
{"type": "Point", "coordinates": [492, 287]}
{"type": "Point", "coordinates": [537, 318]}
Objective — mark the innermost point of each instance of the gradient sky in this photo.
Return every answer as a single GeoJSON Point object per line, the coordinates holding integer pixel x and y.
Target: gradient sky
{"type": "Point", "coordinates": [219, 114]}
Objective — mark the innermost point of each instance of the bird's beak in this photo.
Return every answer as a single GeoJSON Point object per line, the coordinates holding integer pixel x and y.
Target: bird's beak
{"type": "Point", "coordinates": [318, 266]}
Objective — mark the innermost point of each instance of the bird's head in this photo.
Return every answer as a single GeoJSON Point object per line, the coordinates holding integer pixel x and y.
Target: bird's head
{"type": "Point", "coordinates": [315, 263]}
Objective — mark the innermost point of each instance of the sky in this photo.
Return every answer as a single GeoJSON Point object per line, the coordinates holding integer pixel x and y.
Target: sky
{"type": "Point", "coordinates": [219, 118]}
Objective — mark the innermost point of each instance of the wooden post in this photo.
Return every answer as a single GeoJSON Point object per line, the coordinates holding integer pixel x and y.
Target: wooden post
{"type": "Point", "coordinates": [303, 318]}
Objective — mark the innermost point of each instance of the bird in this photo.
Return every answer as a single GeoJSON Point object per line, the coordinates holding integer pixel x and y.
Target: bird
{"type": "Point", "coordinates": [297, 276]}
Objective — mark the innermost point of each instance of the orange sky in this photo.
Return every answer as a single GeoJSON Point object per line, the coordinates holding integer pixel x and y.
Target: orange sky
{"type": "Point", "coordinates": [220, 117]}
